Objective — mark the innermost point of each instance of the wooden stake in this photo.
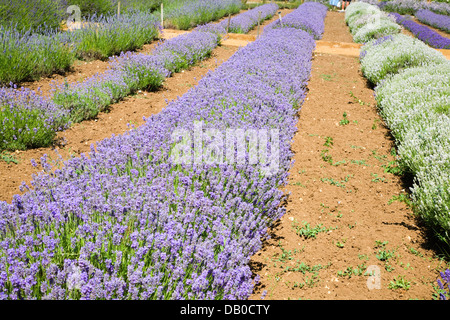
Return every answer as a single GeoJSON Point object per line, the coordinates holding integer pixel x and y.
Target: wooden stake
{"type": "Point", "coordinates": [162, 15]}
{"type": "Point", "coordinates": [279, 15]}
{"type": "Point", "coordinates": [118, 8]}
{"type": "Point", "coordinates": [228, 24]}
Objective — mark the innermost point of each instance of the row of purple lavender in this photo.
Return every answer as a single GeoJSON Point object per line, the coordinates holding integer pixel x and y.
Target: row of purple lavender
{"type": "Point", "coordinates": [411, 6]}
{"type": "Point", "coordinates": [30, 124]}
{"type": "Point", "coordinates": [128, 223]}
{"type": "Point", "coordinates": [427, 35]}
{"type": "Point", "coordinates": [242, 23]}
{"type": "Point", "coordinates": [430, 18]}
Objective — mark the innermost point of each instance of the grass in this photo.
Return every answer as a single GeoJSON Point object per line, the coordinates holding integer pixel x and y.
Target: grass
{"type": "Point", "coordinates": [399, 283]}
{"type": "Point", "coordinates": [345, 120]}
{"type": "Point", "coordinates": [328, 77]}
{"type": "Point", "coordinates": [403, 197]}
{"type": "Point", "coordinates": [337, 183]}
{"type": "Point", "coordinates": [385, 255]}
{"type": "Point", "coordinates": [375, 124]}
{"type": "Point", "coordinates": [349, 271]}
{"type": "Point", "coordinates": [376, 178]}
{"type": "Point", "coordinates": [8, 157]}
{"type": "Point", "coordinates": [328, 142]}
{"type": "Point", "coordinates": [341, 243]}
{"type": "Point", "coordinates": [325, 156]}
{"type": "Point", "coordinates": [307, 231]}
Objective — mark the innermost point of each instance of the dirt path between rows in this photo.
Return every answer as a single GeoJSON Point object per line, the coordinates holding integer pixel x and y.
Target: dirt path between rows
{"type": "Point", "coordinates": [340, 222]}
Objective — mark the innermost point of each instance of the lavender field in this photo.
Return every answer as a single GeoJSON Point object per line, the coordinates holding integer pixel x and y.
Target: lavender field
{"type": "Point", "coordinates": [177, 208]}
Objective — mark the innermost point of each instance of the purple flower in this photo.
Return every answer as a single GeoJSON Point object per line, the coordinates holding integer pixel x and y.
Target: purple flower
{"type": "Point", "coordinates": [427, 35]}
{"type": "Point", "coordinates": [430, 18]}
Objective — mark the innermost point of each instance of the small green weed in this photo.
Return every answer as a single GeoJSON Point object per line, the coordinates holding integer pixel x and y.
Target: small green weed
{"type": "Point", "coordinates": [345, 120]}
{"type": "Point", "coordinates": [399, 283]}
{"type": "Point", "coordinates": [349, 272]}
{"type": "Point", "coordinates": [8, 157]}
{"type": "Point", "coordinates": [403, 197]}
{"type": "Point", "coordinates": [357, 100]}
{"type": "Point", "coordinates": [307, 231]}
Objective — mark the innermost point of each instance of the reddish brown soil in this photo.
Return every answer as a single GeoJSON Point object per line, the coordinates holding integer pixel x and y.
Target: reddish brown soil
{"type": "Point", "coordinates": [350, 200]}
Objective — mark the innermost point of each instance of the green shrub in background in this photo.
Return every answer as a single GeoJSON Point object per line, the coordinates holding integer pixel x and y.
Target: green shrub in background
{"type": "Point", "coordinates": [37, 15]}
{"type": "Point", "coordinates": [94, 7]}
{"type": "Point", "coordinates": [110, 35]}
{"type": "Point", "coordinates": [27, 56]}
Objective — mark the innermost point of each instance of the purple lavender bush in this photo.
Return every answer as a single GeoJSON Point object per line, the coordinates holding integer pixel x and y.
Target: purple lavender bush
{"type": "Point", "coordinates": [427, 35]}
{"type": "Point", "coordinates": [438, 7]}
{"type": "Point", "coordinates": [243, 22]}
{"type": "Point", "coordinates": [104, 36]}
{"type": "Point", "coordinates": [128, 73]}
{"type": "Point", "coordinates": [412, 6]}
{"type": "Point", "coordinates": [128, 222]}
{"type": "Point", "coordinates": [35, 15]}
{"type": "Point", "coordinates": [27, 56]}
{"type": "Point", "coordinates": [27, 120]}
{"type": "Point", "coordinates": [187, 14]}
{"type": "Point", "coordinates": [309, 17]}
{"type": "Point", "coordinates": [131, 72]}
{"type": "Point", "coordinates": [444, 285]}
{"type": "Point", "coordinates": [430, 18]}
{"type": "Point", "coordinates": [246, 21]}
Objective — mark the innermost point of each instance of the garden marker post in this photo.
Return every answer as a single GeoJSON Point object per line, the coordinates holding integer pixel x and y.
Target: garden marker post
{"type": "Point", "coordinates": [279, 15]}
{"type": "Point", "coordinates": [228, 24]}
{"type": "Point", "coordinates": [162, 15]}
{"type": "Point", "coordinates": [118, 8]}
